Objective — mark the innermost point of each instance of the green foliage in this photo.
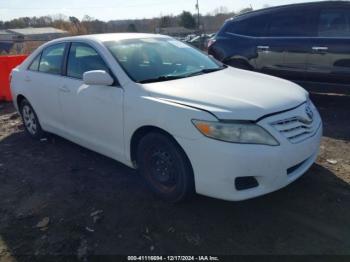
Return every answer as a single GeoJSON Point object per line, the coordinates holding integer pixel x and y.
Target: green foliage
{"type": "Point", "coordinates": [165, 21]}
{"type": "Point", "coordinates": [187, 20]}
{"type": "Point", "coordinates": [132, 28]}
{"type": "Point", "coordinates": [74, 20]}
{"type": "Point", "coordinates": [245, 10]}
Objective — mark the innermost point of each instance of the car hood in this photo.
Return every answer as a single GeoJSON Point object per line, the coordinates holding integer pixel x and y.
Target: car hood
{"type": "Point", "coordinates": [231, 94]}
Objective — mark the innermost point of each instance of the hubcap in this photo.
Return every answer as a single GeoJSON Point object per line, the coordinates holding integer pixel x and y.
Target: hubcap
{"type": "Point", "coordinates": [29, 120]}
{"type": "Point", "coordinates": [162, 170]}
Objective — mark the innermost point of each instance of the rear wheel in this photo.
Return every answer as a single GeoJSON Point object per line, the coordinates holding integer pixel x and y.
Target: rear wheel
{"type": "Point", "coordinates": [30, 120]}
{"type": "Point", "coordinates": [165, 167]}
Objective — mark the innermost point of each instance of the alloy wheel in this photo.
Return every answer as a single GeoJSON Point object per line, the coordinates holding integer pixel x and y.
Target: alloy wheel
{"type": "Point", "coordinates": [29, 119]}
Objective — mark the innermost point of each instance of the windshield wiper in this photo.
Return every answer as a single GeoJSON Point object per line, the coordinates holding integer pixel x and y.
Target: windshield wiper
{"type": "Point", "coordinates": [206, 71]}
{"type": "Point", "coordinates": [171, 77]}
{"type": "Point", "coordinates": [159, 79]}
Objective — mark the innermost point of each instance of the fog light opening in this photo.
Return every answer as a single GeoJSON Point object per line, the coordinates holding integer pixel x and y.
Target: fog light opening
{"type": "Point", "coordinates": [244, 183]}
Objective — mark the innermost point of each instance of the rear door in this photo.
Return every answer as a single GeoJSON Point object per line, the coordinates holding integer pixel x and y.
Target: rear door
{"type": "Point", "coordinates": [284, 49]}
{"type": "Point", "coordinates": [330, 57]}
{"type": "Point", "coordinates": [44, 76]}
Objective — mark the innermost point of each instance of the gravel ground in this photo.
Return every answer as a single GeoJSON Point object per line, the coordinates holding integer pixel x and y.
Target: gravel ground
{"type": "Point", "coordinates": [57, 198]}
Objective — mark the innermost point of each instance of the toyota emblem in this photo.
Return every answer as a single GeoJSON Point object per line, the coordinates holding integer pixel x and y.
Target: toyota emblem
{"type": "Point", "coordinates": [309, 112]}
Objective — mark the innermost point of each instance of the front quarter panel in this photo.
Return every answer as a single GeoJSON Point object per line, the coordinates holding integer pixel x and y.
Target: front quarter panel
{"type": "Point", "coordinates": [175, 119]}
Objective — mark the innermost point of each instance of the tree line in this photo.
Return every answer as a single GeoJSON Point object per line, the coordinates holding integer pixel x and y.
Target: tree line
{"type": "Point", "coordinates": [89, 25]}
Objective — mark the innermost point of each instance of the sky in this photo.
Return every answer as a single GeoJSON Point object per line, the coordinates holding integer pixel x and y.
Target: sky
{"type": "Point", "coordinates": [122, 9]}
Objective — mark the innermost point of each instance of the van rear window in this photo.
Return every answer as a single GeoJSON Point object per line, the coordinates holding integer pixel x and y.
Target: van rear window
{"type": "Point", "coordinates": [251, 26]}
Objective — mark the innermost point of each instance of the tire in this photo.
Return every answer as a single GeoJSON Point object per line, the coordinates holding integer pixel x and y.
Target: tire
{"type": "Point", "coordinates": [30, 120]}
{"type": "Point", "coordinates": [165, 167]}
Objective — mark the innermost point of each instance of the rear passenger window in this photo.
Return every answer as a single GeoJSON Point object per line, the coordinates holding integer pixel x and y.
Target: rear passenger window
{"type": "Point", "coordinates": [294, 23]}
{"type": "Point", "coordinates": [334, 23]}
{"type": "Point", "coordinates": [83, 58]}
{"type": "Point", "coordinates": [51, 59]}
{"type": "Point", "coordinates": [35, 64]}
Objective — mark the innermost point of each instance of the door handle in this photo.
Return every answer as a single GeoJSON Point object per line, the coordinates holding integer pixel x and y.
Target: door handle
{"type": "Point", "coordinates": [320, 48]}
{"type": "Point", "coordinates": [27, 79]}
{"type": "Point", "coordinates": [263, 48]}
{"type": "Point", "coordinates": [64, 89]}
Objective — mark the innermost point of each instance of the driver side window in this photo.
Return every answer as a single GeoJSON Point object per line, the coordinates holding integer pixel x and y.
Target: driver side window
{"type": "Point", "coordinates": [83, 58]}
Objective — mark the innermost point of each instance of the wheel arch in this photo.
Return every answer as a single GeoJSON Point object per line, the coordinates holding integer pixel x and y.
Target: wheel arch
{"type": "Point", "coordinates": [142, 132]}
{"type": "Point", "coordinates": [19, 100]}
{"type": "Point", "coordinates": [239, 61]}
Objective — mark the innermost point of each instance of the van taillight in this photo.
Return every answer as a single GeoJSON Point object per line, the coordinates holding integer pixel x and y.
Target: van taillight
{"type": "Point", "coordinates": [211, 42]}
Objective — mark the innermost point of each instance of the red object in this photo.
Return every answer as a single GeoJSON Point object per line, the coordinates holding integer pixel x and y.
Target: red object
{"type": "Point", "coordinates": [7, 63]}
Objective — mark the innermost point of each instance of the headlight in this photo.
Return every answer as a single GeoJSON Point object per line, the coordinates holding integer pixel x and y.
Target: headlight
{"type": "Point", "coordinates": [237, 132]}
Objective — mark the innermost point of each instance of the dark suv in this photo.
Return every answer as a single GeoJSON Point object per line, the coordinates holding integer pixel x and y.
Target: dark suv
{"type": "Point", "coordinates": [307, 42]}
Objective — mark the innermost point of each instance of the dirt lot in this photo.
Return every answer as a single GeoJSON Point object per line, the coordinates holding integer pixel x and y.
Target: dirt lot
{"type": "Point", "coordinates": [61, 185]}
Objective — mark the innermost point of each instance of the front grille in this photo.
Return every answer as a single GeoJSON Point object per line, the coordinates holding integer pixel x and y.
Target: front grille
{"type": "Point", "coordinates": [296, 129]}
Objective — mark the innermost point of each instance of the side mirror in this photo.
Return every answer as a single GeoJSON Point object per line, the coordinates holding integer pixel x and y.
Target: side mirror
{"type": "Point", "coordinates": [98, 77]}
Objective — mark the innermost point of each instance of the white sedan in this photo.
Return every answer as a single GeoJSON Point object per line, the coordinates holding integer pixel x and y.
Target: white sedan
{"type": "Point", "coordinates": [184, 120]}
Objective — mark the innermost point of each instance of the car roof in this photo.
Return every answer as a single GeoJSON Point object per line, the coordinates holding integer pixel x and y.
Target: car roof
{"type": "Point", "coordinates": [281, 7]}
{"type": "Point", "coordinates": [109, 37]}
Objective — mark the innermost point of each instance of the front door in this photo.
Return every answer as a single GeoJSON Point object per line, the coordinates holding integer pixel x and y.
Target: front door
{"type": "Point", "coordinates": [93, 114]}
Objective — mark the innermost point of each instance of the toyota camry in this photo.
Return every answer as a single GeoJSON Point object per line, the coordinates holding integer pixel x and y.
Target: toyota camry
{"type": "Point", "coordinates": [187, 122]}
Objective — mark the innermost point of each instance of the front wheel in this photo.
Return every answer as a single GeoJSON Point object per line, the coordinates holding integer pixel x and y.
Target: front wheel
{"type": "Point", "coordinates": [165, 167]}
{"type": "Point", "coordinates": [30, 120]}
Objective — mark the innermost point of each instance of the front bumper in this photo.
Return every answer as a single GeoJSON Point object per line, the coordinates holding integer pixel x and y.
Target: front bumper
{"type": "Point", "coordinates": [217, 165]}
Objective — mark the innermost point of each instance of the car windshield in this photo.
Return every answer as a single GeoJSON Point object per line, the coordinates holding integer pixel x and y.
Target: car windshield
{"type": "Point", "coordinates": [160, 59]}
